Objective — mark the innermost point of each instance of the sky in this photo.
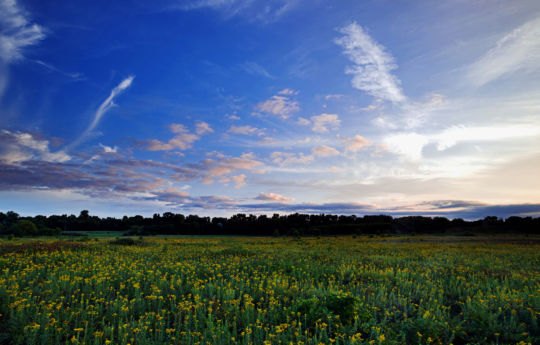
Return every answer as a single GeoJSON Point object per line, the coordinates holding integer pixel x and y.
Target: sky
{"type": "Point", "coordinates": [217, 107]}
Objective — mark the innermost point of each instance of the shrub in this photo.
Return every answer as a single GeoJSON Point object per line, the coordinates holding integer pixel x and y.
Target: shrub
{"type": "Point", "coordinates": [123, 242]}
{"type": "Point", "coordinates": [343, 305]}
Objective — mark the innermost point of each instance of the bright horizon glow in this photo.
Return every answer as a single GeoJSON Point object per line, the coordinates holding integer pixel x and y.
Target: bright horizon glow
{"type": "Point", "coordinates": [256, 107]}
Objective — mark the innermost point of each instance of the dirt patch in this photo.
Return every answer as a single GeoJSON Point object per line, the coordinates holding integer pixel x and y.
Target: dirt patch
{"type": "Point", "coordinates": [38, 247]}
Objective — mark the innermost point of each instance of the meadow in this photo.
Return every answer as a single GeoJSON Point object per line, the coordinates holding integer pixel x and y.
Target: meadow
{"type": "Point", "coordinates": [261, 291]}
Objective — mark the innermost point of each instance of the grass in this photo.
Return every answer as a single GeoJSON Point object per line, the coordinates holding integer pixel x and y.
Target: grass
{"type": "Point", "coordinates": [93, 234]}
{"type": "Point", "coordinates": [215, 290]}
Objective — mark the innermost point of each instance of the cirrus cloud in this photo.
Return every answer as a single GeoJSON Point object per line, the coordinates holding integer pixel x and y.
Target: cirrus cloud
{"type": "Point", "coordinates": [373, 66]}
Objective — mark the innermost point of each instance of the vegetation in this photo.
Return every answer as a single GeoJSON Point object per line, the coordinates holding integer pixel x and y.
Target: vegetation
{"type": "Point", "coordinates": [284, 225]}
{"type": "Point", "coordinates": [252, 290]}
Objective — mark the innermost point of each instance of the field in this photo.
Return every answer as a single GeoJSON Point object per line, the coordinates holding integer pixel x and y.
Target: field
{"type": "Point", "coordinates": [345, 290]}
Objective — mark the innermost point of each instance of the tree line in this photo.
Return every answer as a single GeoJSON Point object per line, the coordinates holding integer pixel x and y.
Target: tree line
{"type": "Point", "coordinates": [277, 225]}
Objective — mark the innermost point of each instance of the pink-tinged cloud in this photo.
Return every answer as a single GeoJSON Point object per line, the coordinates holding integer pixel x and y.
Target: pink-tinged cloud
{"type": "Point", "coordinates": [287, 158]}
{"type": "Point", "coordinates": [325, 151]}
{"type": "Point", "coordinates": [240, 180]}
{"type": "Point", "coordinates": [324, 122]}
{"type": "Point", "coordinates": [273, 197]}
{"type": "Point", "coordinates": [281, 105]}
{"type": "Point", "coordinates": [209, 169]}
{"type": "Point", "coordinates": [183, 140]}
{"type": "Point", "coordinates": [356, 143]}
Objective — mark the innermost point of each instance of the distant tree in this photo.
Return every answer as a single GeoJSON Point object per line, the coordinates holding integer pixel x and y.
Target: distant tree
{"type": "Point", "coordinates": [11, 218]}
{"type": "Point", "coordinates": [24, 227]}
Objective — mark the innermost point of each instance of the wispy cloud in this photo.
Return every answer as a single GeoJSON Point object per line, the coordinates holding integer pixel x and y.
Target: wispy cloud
{"type": "Point", "coordinates": [75, 76]}
{"type": "Point", "coordinates": [282, 104]}
{"type": "Point", "coordinates": [373, 66]}
{"type": "Point", "coordinates": [325, 151]}
{"type": "Point", "coordinates": [103, 108]}
{"type": "Point", "coordinates": [255, 69]}
{"type": "Point", "coordinates": [273, 197]}
{"type": "Point", "coordinates": [16, 31]}
{"type": "Point", "coordinates": [519, 50]}
{"type": "Point", "coordinates": [303, 121]}
{"type": "Point", "coordinates": [245, 130]}
{"type": "Point", "coordinates": [109, 102]}
{"type": "Point", "coordinates": [254, 10]}
{"type": "Point", "coordinates": [287, 158]}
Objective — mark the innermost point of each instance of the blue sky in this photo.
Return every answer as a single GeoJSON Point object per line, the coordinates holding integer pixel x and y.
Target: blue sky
{"type": "Point", "coordinates": [215, 107]}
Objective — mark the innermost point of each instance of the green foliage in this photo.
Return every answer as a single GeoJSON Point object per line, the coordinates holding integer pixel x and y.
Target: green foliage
{"type": "Point", "coordinates": [123, 241]}
{"type": "Point", "coordinates": [344, 305]}
{"type": "Point", "coordinates": [24, 227]}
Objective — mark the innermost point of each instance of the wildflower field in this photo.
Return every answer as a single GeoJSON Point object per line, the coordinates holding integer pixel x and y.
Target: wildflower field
{"type": "Point", "coordinates": [344, 290]}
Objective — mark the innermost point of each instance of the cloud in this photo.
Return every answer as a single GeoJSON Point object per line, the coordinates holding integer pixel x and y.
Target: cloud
{"type": "Point", "coordinates": [325, 151]}
{"type": "Point", "coordinates": [408, 145]}
{"type": "Point", "coordinates": [254, 10]}
{"type": "Point", "coordinates": [356, 143]}
{"type": "Point", "coordinates": [518, 50]}
{"type": "Point", "coordinates": [17, 147]}
{"type": "Point", "coordinates": [233, 117]}
{"type": "Point", "coordinates": [108, 149]}
{"type": "Point", "coordinates": [74, 76]}
{"type": "Point", "coordinates": [333, 97]}
{"type": "Point", "coordinates": [255, 69]}
{"type": "Point", "coordinates": [109, 102]}
{"type": "Point", "coordinates": [240, 180]}
{"type": "Point", "coordinates": [281, 104]}
{"type": "Point", "coordinates": [203, 128]}
{"type": "Point", "coordinates": [372, 65]}
{"type": "Point", "coordinates": [470, 211]}
{"type": "Point", "coordinates": [183, 140]}
{"type": "Point", "coordinates": [273, 197]}
{"type": "Point", "coordinates": [103, 108]}
{"type": "Point", "coordinates": [245, 130]}
{"type": "Point", "coordinates": [303, 122]}
{"type": "Point", "coordinates": [411, 144]}
{"type": "Point", "coordinates": [325, 122]}
{"type": "Point", "coordinates": [16, 31]}
{"type": "Point", "coordinates": [171, 195]}
{"type": "Point", "coordinates": [287, 158]}
{"type": "Point", "coordinates": [209, 169]}
{"type": "Point", "coordinates": [105, 150]}
{"type": "Point", "coordinates": [94, 180]}
{"type": "Point", "coordinates": [455, 134]}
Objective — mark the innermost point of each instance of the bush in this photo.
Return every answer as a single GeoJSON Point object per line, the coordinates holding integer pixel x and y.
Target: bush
{"type": "Point", "coordinates": [123, 242]}
{"type": "Point", "coordinates": [344, 305]}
